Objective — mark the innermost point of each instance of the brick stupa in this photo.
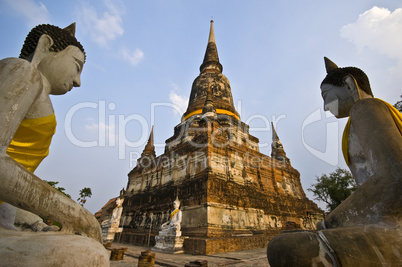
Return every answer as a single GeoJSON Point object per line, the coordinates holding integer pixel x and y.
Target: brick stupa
{"type": "Point", "coordinates": [232, 196]}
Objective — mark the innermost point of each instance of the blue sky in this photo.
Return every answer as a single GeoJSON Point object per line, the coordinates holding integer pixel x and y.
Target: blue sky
{"type": "Point", "coordinates": [142, 57]}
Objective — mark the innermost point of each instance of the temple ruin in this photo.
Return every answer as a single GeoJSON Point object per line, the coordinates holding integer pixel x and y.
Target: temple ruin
{"type": "Point", "coordinates": [232, 196]}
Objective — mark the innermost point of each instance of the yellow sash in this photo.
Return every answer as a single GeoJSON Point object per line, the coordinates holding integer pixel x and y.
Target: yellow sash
{"type": "Point", "coordinates": [31, 141]}
{"type": "Point", "coordinates": [173, 213]}
{"type": "Point", "coordinates": [396, 115]}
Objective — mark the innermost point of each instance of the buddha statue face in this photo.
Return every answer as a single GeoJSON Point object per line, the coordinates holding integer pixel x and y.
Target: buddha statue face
{"type": "Point", "coordinates": [337, 99]}
{"type": "Point", "coordinates": [119, 202]}
{"type": "Point", "coordinates": [176, 204]}
{"type": "Point", "coordinates": [62, 69]}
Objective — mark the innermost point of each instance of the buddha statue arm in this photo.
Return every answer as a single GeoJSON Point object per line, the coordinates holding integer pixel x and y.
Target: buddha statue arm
{"type": "Point", "coordinates": [21, 84]}
{"type": "Point", "coordinates": [23, 189]}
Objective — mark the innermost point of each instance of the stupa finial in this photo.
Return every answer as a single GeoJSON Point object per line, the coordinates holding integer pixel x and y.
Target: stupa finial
{"type": "Point", "coordinates": [211, 33]}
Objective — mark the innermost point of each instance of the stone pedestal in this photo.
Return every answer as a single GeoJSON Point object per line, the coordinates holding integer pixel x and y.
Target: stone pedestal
{"type": "Point", "coordinates": [169, 241]}
{"type": "Point", "coordinates": [147, 259]}
{"type": "Point", "coordinates": [117, 254]}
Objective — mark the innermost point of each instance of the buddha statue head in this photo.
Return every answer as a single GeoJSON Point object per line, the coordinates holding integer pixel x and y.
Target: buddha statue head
{"type": "Point", "coordinates": [176, 203]}
{"type": "Point", "coordinates": [342, 87]}
{"type": "Point", "coordinates": [58, 56]}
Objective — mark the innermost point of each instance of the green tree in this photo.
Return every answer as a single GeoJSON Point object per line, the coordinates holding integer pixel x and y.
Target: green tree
{"type": "Point", "coordinates": [84, 194]}
{"type": "Point", "coordinates": [61, 189]}
{"type": "Point", "coordinates": [333, 188]}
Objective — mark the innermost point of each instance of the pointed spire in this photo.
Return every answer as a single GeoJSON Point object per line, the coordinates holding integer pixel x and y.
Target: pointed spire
{"type": "Point", "coordinates": [211, 33]}
{"type": "Point", "coordinates": [275, 137]}
{"type": "Point", "coordinates": [149, 149]}
{"type": "Point", "coordinates": [211, 58]}
{"type": "Point", "coordinates": [277, 151]}
{"type": "Point", "coordinates": [211, 72]}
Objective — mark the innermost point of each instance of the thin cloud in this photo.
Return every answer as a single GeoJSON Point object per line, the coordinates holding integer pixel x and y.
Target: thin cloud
{"type": "Point", "coordinates": [100, 127]}
{"type": "Point", "coordinates": [378, 29]}
{"type": "Point", "coordinates": [179, 101]}
{"type": "Point", "coordinates": [133, 57]}
{"type": "Point", "coordinates": [102, 28]}
{"type": "Point", "coordinates": [34, 13]}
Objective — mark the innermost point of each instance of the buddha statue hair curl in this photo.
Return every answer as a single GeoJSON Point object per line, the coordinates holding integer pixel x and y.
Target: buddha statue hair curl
{"type": "Point", "coordinates": [61, 39]}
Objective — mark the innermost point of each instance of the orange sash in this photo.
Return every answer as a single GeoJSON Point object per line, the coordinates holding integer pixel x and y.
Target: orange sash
{"type": "Point", "coordinates": [173, 213]}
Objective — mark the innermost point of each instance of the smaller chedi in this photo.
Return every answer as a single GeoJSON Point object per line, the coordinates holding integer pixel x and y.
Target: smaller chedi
{"type": "Point", "coordinates": [169, 239]}
{"type": "Point", "coordinates": [111, 226]}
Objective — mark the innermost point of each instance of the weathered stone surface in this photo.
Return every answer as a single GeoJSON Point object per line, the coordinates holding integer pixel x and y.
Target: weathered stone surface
{"type": "Point", "coordinates": [146, 259]}
{"type": "Point", "coordinates": [117, 254]}
{"type": "Point", "coordinates": [311, 253]}
{"type": "Point", "coordinates": [7, 211]}
{"type": "Point", "coordinates": [208, 246]}
{"type": "Point", "coordinates": [169, 244]}
{"type": "Point", "coordinates": [365, 229]}
{"type": "Point", "coordinates": [347, 246]}
{"type": "Point", "coordinates": [232, 196]}
{"type": "Point", "coordinates": [20, 248]}
{"type": "Point", "coordinates": [28, 221]}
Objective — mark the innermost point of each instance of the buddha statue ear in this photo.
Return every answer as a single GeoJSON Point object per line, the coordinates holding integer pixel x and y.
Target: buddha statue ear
{"type": "Point", "coordinates": [329, 65]}
{"type": "Point", "coordinates": [353, 87]}
{"type": "Point", "coordinates": [42, 48]}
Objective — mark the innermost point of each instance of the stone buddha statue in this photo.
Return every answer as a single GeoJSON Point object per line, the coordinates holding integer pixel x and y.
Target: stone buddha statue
{"type": "Point", "coordinates": [169, 239]}
{"type": "Point", "coordinates": [364, 230]}
{"type": "Point", "coordinates": [173, 225]}
{"type": "Point", "coordinates": [50, 62]}
{"type": "Point", "coordinates": [114, 221]}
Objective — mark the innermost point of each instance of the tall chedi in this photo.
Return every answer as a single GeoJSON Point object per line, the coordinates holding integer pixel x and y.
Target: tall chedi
{"type": "Point", "coordinates": [232, 196]}
{"type": "Point", "coordinates": [211, 76]}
